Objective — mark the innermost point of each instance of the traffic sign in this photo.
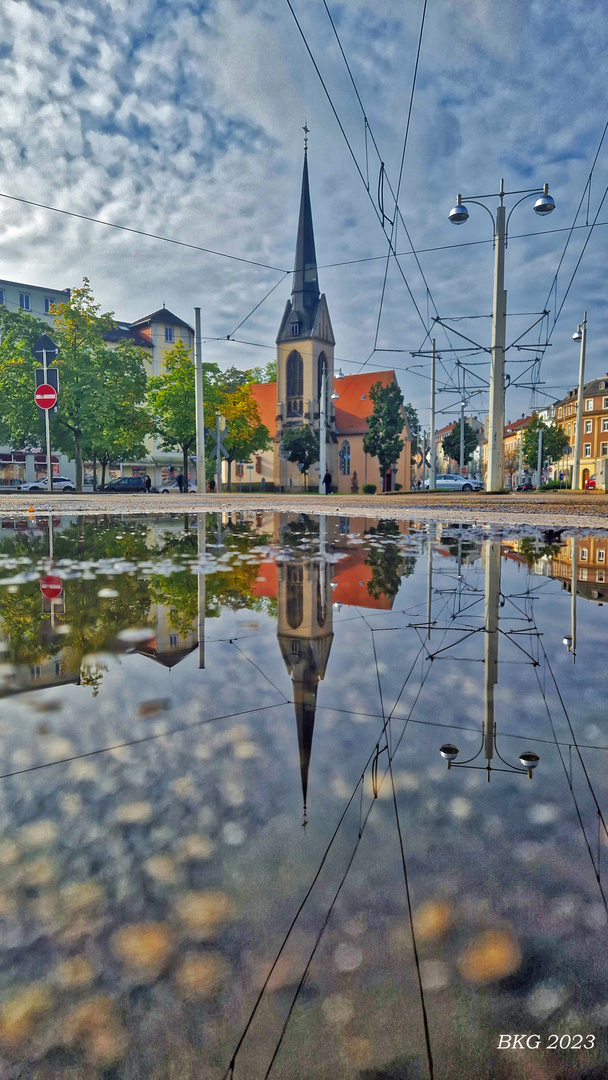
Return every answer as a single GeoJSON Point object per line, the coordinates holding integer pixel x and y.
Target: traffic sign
{"type": "Point", "coordinates": [51, 586]}
{"type": "Point", "coordinates": [222, 447]}
{"type": "Point", "coordinates": [45, 396]}
{"type": "Point", "coordinates": [45, 344]}
{"type": "Point", "coordinates": [52, 378]}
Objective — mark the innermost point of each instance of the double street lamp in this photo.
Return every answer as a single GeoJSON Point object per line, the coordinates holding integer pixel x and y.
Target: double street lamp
{"type": "Point", "coordinates": [458, 215]}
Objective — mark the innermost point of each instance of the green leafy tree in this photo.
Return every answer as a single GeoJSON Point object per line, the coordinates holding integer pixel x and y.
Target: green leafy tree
{"type": "Point", "coordinates": [171, 402]}
{"type": "Point", "coordinates": [246, 434]}
{"type": "Point", "coordinates": [554, 442]}
{"type": "Point", "coordinates": [267, 373]}
{"type": "Point", "coordinates": [20, 425]}
{"type": "Point", "coordinates": [385, 426]}
{"type": "Point", "coordinates": [122, 420]}
{"type": "Point", "coordinates": [451, 442]}
{"type": "Point", "coordinates": [414, 422]}
{"type": "Point", "coordinates": [389, 566]}
{"type": "Point", "coordinates": [301, 446]}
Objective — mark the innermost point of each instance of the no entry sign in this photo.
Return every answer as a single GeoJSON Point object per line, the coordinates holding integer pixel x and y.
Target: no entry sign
{"type": "Point", "coordinates": [51, 586]}
{"type": "Point", "coordinates": [45, 396]}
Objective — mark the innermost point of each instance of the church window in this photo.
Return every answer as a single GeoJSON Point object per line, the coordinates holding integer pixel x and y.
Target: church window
{"type": "Point", "coordinates": [295, 329]}
{"type": "Point", "coordinates": [295, 384]}
{"type": "Point", "coordinates": [345, 458]}
{"type": "Point", "coordinates": [321, 598]}
{"type": "Point", "coordinates": [295, 595]}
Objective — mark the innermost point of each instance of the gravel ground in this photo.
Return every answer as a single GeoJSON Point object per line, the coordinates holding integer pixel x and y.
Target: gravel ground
{"type": "Point", "coordinates": [586, 510]}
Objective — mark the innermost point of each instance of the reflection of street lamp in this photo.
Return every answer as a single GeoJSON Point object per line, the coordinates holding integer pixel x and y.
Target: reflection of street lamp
{"type": "Point", "coordinates": [448, 751]}
{"type": "Point", "coordinates": [458, 215]}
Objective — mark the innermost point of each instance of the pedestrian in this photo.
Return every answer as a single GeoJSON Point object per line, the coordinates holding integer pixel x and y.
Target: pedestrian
{"type": "Point", "coordinates": [180, 482]}
{"type": "Point", "coordinates": [327, 482]}
{"type": "Point", "coordinates": [212, 484]}
{"type": "Point", "coordinates": [147, 482]}
{"type": "Point", "coordinates": [419, 484]}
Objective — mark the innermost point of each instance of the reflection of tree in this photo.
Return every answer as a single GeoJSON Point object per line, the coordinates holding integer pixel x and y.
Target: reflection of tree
{"type": "Point", "coordinates": [532, 553]}
{"type": "Point", "coordinates": [388, 565]}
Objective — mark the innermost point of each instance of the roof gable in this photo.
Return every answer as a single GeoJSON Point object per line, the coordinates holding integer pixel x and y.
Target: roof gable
{"type": "Point", "coordinates": [163, 315]}
{"type": "Point", "coordinates": [354, 404]}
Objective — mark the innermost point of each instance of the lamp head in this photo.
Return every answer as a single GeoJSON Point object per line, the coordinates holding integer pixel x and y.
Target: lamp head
{"type": "Point", "coordinates": [459, 213]}
{"type": "Point", "coordinates": [578, 334]}
{"type": "Point", "coordinates": [334, 396]}
{"type": "Point", "coordinates": [340, 374]}
{"type": "Point", "coordinates": [545, 204]}
{"type": "Point", "coordinates": [448, 751]}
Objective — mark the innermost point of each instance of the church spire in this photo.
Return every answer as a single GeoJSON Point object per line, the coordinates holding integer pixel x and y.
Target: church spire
{"type": "Point", "coordinates": [305, 289]}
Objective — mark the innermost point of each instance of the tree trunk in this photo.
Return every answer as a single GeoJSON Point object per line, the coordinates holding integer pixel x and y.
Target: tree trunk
{"type": "Point", "coordinates": [94, 472]}
{"type": "Point", "coordinates": [103, 472]}
{"type": "Point", "coordinates": [229, 485]}
{"type": "Point", "coordinates": [185, 469]}
{"type": "Point", "coordinates": [78, 447]}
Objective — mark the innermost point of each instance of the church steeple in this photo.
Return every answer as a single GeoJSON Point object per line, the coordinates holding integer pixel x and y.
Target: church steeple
{"type": "Point", "coordinates": [305, 289]}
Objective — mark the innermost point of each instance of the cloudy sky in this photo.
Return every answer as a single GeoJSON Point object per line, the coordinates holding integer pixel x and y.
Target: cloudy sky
{"type": "Point", "coordinates": [184, 118]}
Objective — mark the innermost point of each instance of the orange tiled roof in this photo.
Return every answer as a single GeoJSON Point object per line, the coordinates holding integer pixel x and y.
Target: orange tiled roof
{"type": "Point", "coordinates": [265, 395]}
{"type": "Point", "coordinates": [351, 575]}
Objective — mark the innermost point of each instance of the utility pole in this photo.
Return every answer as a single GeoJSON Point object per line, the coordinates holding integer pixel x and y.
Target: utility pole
{"type": "Point", "coordinates": [322, 429]}
{"type": "Point", "coordinates": [200, 415]}
{"type": "Point", "coordinates": [219, 452]}
{"type": "Point", "coordinates": [201, 525]}
{"type": "Point", "coordinates": [539, 464]}
{"type": "Point", "coordinates": [580, 335]}
{"type": "Point", "coordinates": [462, 437]}
{"type": "Point", "coordinates": [423, 458]}
{"type": "Point", "coordinates": [433, 476]}
{"type": "Point", "coordinates": [497, 378]}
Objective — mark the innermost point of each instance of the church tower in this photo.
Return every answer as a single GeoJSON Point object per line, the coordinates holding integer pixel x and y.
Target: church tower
{"type": "Point", "coordinates": [305, 635]}
{"type": "Point", "coordinates": [305, 349]}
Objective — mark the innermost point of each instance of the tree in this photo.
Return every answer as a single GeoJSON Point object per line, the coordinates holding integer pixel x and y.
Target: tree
{"type": "Point", "coordinates": [385, 426]}
{"type": "Point", "coordinates": [511, 463]}
{"type": "Point", "coordinates": [171, 402]}
{"type": "Point", "coordinates": [387, 562]}
{"type": "Point", "coordinates": [414, 421]}
{"type": "Point", "coordinates": [301, 445]}
{"type": "Point", "coordinates": [246, 433]}
{"type": "Point", "coordinates": [554, 442]}
{"type": "Point", "coordinates": [20, 425]}
{"type": "Point", "coordinates": [267, 373]}
{"type": "Point", "coordinates": [451, 442]}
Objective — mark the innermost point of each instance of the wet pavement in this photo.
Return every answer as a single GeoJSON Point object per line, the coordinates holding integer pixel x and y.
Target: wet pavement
{"type": "Point", "coordinates": [229, 841]}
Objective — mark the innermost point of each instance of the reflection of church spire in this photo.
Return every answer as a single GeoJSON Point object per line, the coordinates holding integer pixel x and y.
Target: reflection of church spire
{"type": "Point", "coordinates": [305, 635]}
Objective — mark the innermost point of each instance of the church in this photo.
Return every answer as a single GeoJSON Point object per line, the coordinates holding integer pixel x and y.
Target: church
{"type": "Point", "coordinates": [305, 364]}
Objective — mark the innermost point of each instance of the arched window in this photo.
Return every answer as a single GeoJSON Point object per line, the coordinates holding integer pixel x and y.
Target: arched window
{"type": "Point", "coordinates": [295, 384]}
{"type": "Point", "coordinates": [322, 369]}
{"type": "Point", "coordinates": [295, 595]}
{"type": "Point", "coordinates": [345, 458]}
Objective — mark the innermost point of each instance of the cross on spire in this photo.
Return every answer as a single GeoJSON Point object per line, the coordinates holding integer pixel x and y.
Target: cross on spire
{"type": "Point", "coordinates": [306, 129]}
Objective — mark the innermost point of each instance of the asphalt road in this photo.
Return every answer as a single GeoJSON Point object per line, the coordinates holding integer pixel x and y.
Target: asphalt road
{"type": "Point", "coordinates": [566, 508]}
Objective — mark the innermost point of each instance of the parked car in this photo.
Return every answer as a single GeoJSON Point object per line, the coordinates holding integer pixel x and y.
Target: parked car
{"type": "Point", "coordinates": [590, 485]}
{"type": "Point", "coordinates": [60, 483]}
{"type": "Point", "coordinates": [453, 482]}
{"type": "Point", "coordinates": [527, 485]}
{"type": "Point", "coordinates": [126, 485]}
{"type": "Point", "coordinates": [174, 487]}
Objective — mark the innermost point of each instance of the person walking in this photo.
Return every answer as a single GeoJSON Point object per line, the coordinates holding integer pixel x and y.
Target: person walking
{"type": "Point", "coordinates": [180, 482]}
{"type": "Point", "coordinates": [212, 484]}
{"type": "Point", "coordinates": [327, 482]}
{"type": "Point", "coordinates": [147, 482]}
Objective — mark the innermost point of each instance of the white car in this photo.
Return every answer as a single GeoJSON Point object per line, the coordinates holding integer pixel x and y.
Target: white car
{"type": "Point", "coordinates": [60, 483]}
{"type": "Point", "coordinates": [453, 482]}
{"type": "Point", "coordinates": [167, 488]}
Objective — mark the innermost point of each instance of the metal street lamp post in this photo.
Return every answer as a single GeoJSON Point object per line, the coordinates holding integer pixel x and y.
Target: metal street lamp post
{"type": "Point", "coordinates": [458, 215]}
{"type": "Point", "coordinates": [579, 335]}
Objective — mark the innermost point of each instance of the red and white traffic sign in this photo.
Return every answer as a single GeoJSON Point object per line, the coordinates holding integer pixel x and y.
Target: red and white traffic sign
{"type": "Point", "coordinates": [45, 396]}
{"type": "Point", "coordinates": [51, 586]}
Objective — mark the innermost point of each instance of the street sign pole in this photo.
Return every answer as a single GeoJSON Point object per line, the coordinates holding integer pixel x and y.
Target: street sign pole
{"type": "Point", "coordinates": [218, 436]}
{"type": "Point", "coordinates": [200, 421]}
{"type": "Point", "coordinates": [47, 431]}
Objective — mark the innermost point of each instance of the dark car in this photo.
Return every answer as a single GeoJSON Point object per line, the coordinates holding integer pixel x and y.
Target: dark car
{"type": "Point", "coordinates": [126, 485]}
{"type": "Point", "coordinates": [526, 486]}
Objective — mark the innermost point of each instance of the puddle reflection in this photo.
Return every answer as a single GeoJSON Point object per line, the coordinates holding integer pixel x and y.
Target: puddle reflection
{"type": "Point", "coordinates": [181, 695]}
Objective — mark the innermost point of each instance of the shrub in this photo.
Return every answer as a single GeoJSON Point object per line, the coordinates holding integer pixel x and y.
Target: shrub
{"type": "Point", "coordinates": [369, 489]}
{"type": "Point", "coordinates": [398, 487]}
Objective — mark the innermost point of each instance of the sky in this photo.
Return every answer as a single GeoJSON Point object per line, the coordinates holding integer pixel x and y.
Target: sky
{"type": "Point", "coordinates": [184, 118]}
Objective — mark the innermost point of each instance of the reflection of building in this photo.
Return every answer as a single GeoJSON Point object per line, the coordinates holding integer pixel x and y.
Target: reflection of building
{"type": "Point", "coordinates": [165, 644]}
{"type": "Point", "coordinates": [591, 555]}
{"type": "Point", "coordinates": [305, 355]}
{"type": "Point", "coordinates": [305, 634]}
{"type": "Point", "coordinates": [57, 669]}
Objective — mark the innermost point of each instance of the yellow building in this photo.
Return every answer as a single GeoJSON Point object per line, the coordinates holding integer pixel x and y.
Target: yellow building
{"type": "Point", "coordinates": [594, 438]}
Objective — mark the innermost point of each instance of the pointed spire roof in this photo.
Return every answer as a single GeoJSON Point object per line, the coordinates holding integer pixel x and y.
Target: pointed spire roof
{"type": "Point", "coordinates": [305, 289]}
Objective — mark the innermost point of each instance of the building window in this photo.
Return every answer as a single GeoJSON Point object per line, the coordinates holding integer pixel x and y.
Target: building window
{"type": "Point", "coordinates": [295, 329]}
{"type": "Point", "coordinates": [322, 371]}
{"type": "Point", "coordinates": [582, 574]}
{"type": "Point", "coordinates": [57, 667]}
{"type": "Point", "coordinates": [584, 554]}
{"type": "Point", "coordinates": [588, 427]}
{"type": "Point", "coordinates": [345, 458]}
{"type": "Point", "coordinates": [295, 648]}
{"type": "Point", "coordinates": [604, 449]}
{"type": "Point", "coordinates": [600, 576]}
{"type": "Point", "coordinates": [295, 384]}
{"type": "Point", "coordinates": [589, 404]}
{"type": "Point", "coordinates": [587, 450]}
{"type": "Point", "coordinates": [295, 595]}
{"type": "Point", "coordinates": [559, 411]}
{"type": "Point", "coordinates": [48, 302]}
{"type": "Point", "coordinates": [35, 672]}
{"type": "Point", "coordinates": [570, 407]}
{"type": "Point", "coordinates": [168, 333]}
{"type": "Point", "coordinates": [173, 641]}
{"type": "Point", "coordinates": [24, 301]}
{"type": "Point", "coordinates": [604, 423]}
{"type": "Point", "coordinates": [601, 555]}
{"type": "Point", "coordinates": [2, 297]}
{"type": "Point", "coordinates": [605, 403]}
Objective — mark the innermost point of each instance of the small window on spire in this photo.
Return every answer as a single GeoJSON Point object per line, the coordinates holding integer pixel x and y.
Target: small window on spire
{"type": "Point", "coordinates": [295, 329]}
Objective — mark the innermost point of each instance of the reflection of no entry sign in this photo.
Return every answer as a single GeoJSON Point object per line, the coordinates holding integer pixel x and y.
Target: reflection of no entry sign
{"type": "Point", "coordinates": [45, 396]}
{"type": "Point", "coordinates": [51, 587]}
